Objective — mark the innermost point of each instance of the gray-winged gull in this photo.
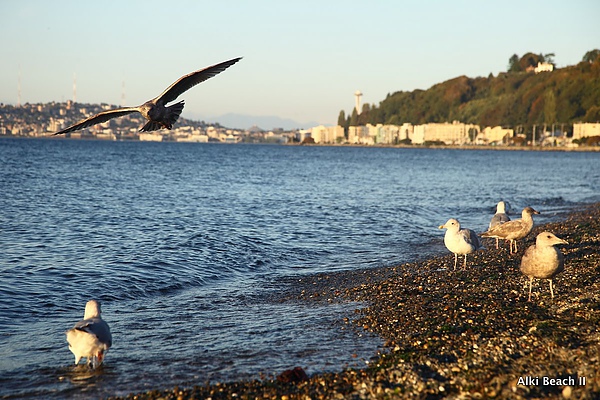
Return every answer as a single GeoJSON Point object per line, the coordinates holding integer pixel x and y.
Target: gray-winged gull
{"type": "Point", "coordinates": [460, 241]}
{"type": "Point", "coordinates": [499, 217]}
{"type": "Point", "coordinates": [542, 260]}
{"type": "Point", "coordinates": [156, 111]}
{"type": "Point", "coordinates": [90, 337]}
{"type": "Point", "coordinates": [513, 230]}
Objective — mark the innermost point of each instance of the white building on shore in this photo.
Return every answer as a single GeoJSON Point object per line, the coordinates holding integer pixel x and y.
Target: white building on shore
{"type": "Point", "coordinates": [455, 133]}
{"type": "Point", "coordinates": [359, 135]}
{"type": "Point", "coordinates": [327, 134]}
{"type": "Point", "coordinates": [587, 129]}
{"type": "Point", "coordinates": [495, 135]}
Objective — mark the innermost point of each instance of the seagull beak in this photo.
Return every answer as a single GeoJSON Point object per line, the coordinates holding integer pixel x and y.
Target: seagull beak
{"type": "Point", "coordinates": [442, 226]}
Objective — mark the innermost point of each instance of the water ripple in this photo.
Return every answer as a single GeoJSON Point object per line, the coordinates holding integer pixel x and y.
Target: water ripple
{"type": "Point", "coordinates": [180, 243]}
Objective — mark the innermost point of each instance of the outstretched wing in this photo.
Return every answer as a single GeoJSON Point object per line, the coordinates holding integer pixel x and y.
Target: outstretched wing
{"type": "Point", "coordinates": [99, 118]}
{"type": "Point", "coordinates": [188, 81]}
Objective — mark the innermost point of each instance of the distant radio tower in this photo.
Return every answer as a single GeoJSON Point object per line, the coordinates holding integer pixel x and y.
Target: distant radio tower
{"type": "Point", "coordinates": [19, 89]}
{"type": "Point", "coordinates": [357, 95]}
{"type": "Point", "coordinates": [74, 87]}
{"type": "Point", "coordinates": [123, 95]}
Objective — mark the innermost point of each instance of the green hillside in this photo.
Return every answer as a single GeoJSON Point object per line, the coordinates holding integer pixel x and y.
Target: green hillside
{"type": "Point", "coordinates": [511, 99]}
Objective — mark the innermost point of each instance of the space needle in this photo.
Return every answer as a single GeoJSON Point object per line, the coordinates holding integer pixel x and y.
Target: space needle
{"type": "Point", "coordinates": [357, 96]}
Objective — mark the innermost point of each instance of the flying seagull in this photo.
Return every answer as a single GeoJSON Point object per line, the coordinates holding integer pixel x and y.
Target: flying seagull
{"type": "Point", "coordinates": [156, 111]}
{"type": "Point", "coordinates": [90, 337]}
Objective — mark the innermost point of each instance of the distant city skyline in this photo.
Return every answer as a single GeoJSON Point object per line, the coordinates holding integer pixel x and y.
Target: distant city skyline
{"type": "Point", "coordinates": [303, 61]}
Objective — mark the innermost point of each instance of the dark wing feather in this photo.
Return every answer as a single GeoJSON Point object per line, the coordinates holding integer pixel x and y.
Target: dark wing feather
{"type": "Point", "coordinates": [188, 81]}
{"type": "Point", "coordinates": [471, 237]}
{"type": "Point", "coordinates": [99, 118]}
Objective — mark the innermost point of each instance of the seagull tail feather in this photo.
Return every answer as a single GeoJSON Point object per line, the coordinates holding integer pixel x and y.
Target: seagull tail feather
{"type": "Point", "coordinates": [173, 113]}
{"type": "Point", "coordinates": [151, 126]}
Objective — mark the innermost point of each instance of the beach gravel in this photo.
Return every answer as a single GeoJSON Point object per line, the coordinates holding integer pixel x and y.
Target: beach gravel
{"type": "Point", "coordinates": [464, 334]}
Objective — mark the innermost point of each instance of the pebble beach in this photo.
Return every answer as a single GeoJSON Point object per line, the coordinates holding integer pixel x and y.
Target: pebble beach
{"type": "Point", "coordinates": [465, 334]}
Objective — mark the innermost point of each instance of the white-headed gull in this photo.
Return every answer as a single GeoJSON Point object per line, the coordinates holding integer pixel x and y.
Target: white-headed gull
{"type": "Point", "coordinates": [499, 218]}
{"type": "Point", "coordinates": [460, 241]}
{"type": "Point", "coordinates": [90, 337]}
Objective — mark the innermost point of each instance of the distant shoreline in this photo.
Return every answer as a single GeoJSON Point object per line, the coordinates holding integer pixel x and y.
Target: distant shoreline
{"type": "Point", "coordinates": [391, 146]}
{"type": "Point", "coordinates": [458, 147]}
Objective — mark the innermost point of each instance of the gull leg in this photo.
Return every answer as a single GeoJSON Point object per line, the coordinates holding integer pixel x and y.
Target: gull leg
{"type": "Point", "coordinates": [530, 283]}
{"type": "Point", "coordinates": [465, 264]}
{"type": "Point", "coordinates": [551, 291]}
{"type": "Point", "coordinates": [497, 243]}
{"type": "Point", "coordinates": [455, 260]}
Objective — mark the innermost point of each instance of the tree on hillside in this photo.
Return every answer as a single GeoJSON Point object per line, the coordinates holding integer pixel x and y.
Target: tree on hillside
{"type": "Point", "coordinates": [513, 64]}
{"type": "Point", "coordinates": [342, 119]}
{"type": "Point", "coordinates": [591, 56]}
{"type": "Point", "coordinates": [592, 115]}
{"type": "Point", "coordinates": [363, 118]}
{"type": "Point", "coordinates": [354, 118]}
{"type": "Point", "coordinates": [549, 58]}
{"type": "Point", "coordinates": [530, 60]}
{"type": "Point", "coordinates": [549, 107]}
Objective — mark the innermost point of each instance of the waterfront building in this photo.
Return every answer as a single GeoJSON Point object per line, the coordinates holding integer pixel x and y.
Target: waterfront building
{"type": "Point", "coordinates": [495, 135]}
{"type": "Point", "coordinates": [359, 135]}
{"type": "Point", "coordinates": [327, 134]}
{"type": "Point", "coordinates": [587, 129]}
{"type": "Point", "coordinates": [455, 133]}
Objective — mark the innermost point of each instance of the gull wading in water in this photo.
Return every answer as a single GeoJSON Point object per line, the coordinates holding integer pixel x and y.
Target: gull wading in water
{"type": "Point", "coordinates": [499, 218]}
{"type": "Point", "coordinates": [513, 230]}
{"type": "Point", "coordinates": [542, 260]}
{"type": "Point", "coordinates": [90, 337]}
{"type": "Point", "coordinates": [156, 111]}
{"type": "Point", "coordinates": [460, 241]}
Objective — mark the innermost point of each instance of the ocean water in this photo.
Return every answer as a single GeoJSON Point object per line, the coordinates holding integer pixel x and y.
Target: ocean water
{"type": "Point", "coordinates": [192, 248]}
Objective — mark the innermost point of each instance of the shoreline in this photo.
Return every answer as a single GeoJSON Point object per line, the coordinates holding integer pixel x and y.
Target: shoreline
{"type": "Point", "coordinates": [461, 334]}
{"type": "Point", "coordinates": [589, 149]}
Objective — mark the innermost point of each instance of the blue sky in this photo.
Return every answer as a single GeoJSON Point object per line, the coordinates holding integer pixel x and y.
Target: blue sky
{"type": "Point", "coordinates": [303, 60]}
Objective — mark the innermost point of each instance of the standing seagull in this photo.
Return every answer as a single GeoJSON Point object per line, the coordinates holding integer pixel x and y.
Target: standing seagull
{"type": "Point", "coordinates": [542, 260]}
{"type": "Point", "coordinates": [499, 218]}
{"type": "Point", "coordinates": [460, 241]}
{"type": "Point", "coordinates": [513, 230]}
{"type": "Point", "coordinates": [90, 337]}
{"type": "Point", "coordinates": [156, 111]}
